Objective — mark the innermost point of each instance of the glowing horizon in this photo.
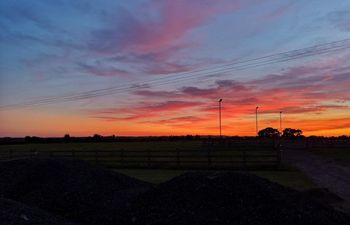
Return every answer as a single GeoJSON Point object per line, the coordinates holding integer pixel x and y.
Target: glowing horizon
{"type": "Point", "coordinates": [61, 48]}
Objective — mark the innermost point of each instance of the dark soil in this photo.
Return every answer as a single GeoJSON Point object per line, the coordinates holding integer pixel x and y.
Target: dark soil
{"type": "Point", "coordinates": [70, 188]}
{"type": "Point", "coordinates": [15, 213]}
{"type": "Point", "coordinates": [89, 195]}
{"type": "Point", "coordinates": [229, 198]}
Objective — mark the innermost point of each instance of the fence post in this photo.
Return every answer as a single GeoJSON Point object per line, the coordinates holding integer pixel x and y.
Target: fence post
{"type": "Point", "coordinates": [112, 157]}
{"type": "Point", "coordinates": [10, 154]}
{"type": "Point", "coordinates": [177, 157]}
{"type": "Point", "coordinates": [209, 157]}
{"type": "Point", "coordinates": [96, 156]}
{"type": "Point", "coordinates": [122, 157]}
{"type": "Point", "coordinates": [279, 155]}
{"type": "Point", "coordinates": [149, 157]}
{"type": "Point", "coordinates": [244, 158]}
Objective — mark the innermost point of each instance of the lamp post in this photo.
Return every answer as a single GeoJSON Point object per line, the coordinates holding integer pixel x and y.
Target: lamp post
{"type": "Point", "coordinates": [281, 121]}
{"type": "Point", "coordinates": [256, 120]}
{"type": "Point", "coordinates": [220, 100]}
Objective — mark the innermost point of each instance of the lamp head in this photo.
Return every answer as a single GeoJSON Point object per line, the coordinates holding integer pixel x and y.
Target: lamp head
{"type": "Point", "coordinates": [220, 100]}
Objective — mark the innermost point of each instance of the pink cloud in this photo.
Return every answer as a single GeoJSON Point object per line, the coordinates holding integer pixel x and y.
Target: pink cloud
{"type": "Point", "coordinates": [156, 33]}
{"type": "Point", "coordinates": [162, 24]}
{"type": "Point", "coordinates": [176, 19]}
{"type": "Point", "coordinates": [144, 111]}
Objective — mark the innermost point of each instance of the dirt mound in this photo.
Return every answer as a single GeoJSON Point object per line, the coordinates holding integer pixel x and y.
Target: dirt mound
{"type": "Point", "coordinates": [15, 213]}
{"type": "Point", "coordinates": [228, 198]}
{"type": "Point", "coordinates": [70, 188]}
{"type": "Point", "coordinates": [89, 195]}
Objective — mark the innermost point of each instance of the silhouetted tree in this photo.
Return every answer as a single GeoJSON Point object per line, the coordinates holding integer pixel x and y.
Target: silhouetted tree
{"type": "Point", "coordinates": [97, 137]}
{"type": "Point", "coordinates": [34, 139]}
{"type": "Point", "coordinates": [344, 137]}
{"type": "Point", "coordinates": [290, 132]}
{"type": "Point", "coordinates": [27, 139]}
{"type": "Point", "coordinates": [269, 132]}
{"type": "Point", "coordinates": [189, 137]}
{"type": "Point", "coordinates": [66, 138]}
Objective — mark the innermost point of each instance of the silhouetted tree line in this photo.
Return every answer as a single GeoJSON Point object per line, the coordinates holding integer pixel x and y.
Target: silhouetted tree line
{"type": "Point", "coordinates": [67, 138]}
{"type": "Point", "coordinates": [270, 132]}
{"type": "Point", "coordinates": [95, 138]}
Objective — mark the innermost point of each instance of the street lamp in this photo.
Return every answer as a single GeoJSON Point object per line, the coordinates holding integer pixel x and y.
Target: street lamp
{"type": "Point", "coordinates": [220, 100]}
{"type": "Point", "coordinates": [281, 121]}
{"type": "Point", "coordinates": [256, 120]}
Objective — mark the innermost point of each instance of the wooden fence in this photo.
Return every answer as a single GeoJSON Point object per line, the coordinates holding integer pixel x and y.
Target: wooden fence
{"type": "Point", "coordinates": [167, 159]}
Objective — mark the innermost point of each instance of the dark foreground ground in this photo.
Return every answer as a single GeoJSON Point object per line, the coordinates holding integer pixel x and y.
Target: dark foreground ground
{"type": "Point", "coordinates": [61, 191]}
{"type": "Point", "coordinates": [324, 171]}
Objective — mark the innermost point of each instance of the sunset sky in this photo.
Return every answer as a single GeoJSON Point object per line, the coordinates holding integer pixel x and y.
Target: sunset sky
{"type": "Point", "coordinates": [158, 67]}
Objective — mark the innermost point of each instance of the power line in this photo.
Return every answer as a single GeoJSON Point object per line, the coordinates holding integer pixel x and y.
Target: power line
{"type": "Point", "coordinates": [107, 91]}
{"type": "Point", "coordinates": [200, 73]}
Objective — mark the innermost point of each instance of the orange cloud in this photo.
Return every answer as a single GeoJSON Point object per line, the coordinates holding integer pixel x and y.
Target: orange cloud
{"type": "Point", "coordinates": [300, 92]}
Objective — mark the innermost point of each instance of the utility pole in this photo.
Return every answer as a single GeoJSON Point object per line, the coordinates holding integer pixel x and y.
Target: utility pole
{"type": "Point", "coordinates": [256, 120]}
{"type": "Point", "coordinates": [220, 100]}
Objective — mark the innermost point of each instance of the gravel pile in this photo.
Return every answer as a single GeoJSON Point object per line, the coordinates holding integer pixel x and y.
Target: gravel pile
{"type": "Point", "coordinates": [228, 198]}
{"type": "Point", "coordinates": [69, 188]}
{"type": "Point", "coordinates": [15, 213]}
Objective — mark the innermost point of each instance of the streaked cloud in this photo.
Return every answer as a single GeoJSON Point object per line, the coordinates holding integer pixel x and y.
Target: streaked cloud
{"type": "Point", "coordinates": [123, 65]}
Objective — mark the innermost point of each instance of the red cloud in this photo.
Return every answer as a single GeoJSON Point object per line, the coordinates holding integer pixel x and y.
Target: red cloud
{"type": "Point", "coordinates": [321, 124]}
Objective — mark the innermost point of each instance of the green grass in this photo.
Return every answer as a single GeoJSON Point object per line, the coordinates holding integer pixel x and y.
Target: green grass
{"type": "Point", "coordinates": [288, 177]}
{"type": "Point", "coordinates": [152, 176]}
{"type": "Point", "coordinates": [160, 151]}
{"type": "Point", "coordinates": [292, 178]}
{"type": "Point", "coordinates": [153, 145]}
{"type": "Point", "coordinates": [341, 155]}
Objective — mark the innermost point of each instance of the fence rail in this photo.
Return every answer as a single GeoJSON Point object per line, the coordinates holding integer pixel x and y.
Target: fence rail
{"type": "Point", "coordinates": [174, 159]}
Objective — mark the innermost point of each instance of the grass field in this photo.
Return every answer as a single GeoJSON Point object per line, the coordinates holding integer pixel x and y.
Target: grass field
{"type": "Point", "coordinates": [287, 176]}
{"type": "Point", "coordinates": [156, 154]}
